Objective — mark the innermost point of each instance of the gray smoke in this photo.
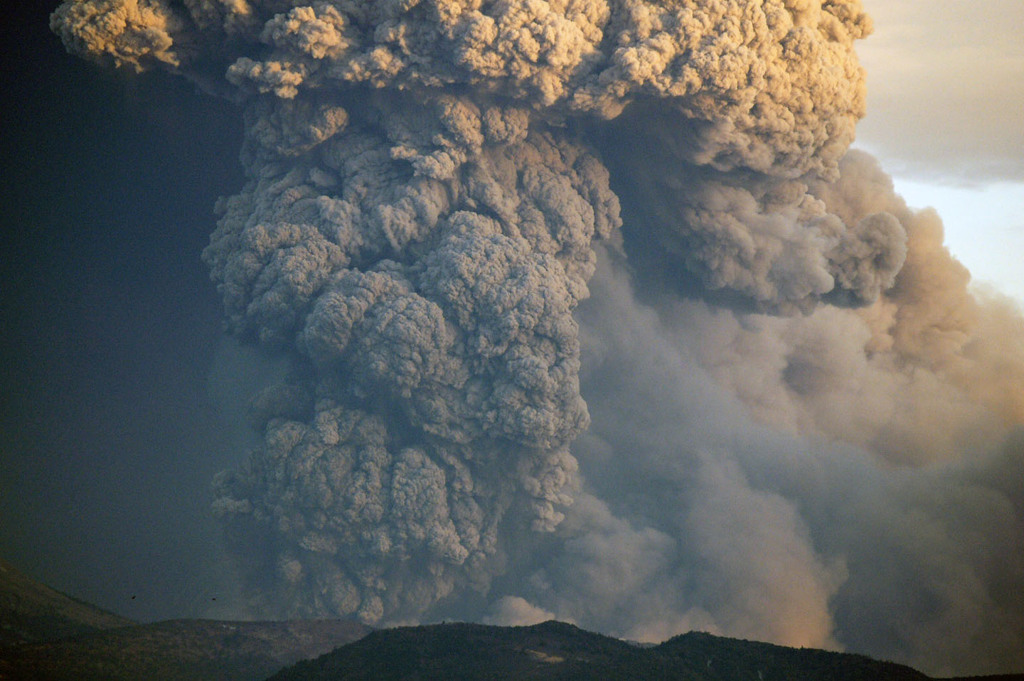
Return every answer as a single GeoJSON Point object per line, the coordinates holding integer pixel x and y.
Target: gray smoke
{"type": "Point", "coordinates": [461, 219]}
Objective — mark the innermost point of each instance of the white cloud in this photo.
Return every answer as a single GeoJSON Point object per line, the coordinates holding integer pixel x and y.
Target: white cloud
{"type": "Point", "coordinates": [946, 88]}
{"type": "Point", "coordinates": [946, 118]}
{"type": "Point", "coordinates": [984, 227]}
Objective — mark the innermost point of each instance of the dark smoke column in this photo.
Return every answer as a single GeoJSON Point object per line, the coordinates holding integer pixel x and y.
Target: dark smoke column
{"type": "Point", "coordinates": [418, 227]}
{"type": "Point", "coordinates": [422, 264]}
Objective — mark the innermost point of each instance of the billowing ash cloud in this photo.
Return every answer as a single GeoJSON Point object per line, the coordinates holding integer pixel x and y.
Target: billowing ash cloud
{"type": "Point", "coordinates": [462, 218]}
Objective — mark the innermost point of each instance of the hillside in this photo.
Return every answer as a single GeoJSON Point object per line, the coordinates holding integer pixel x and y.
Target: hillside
{"type": "Point", "coordinates": [30, 611]}
{"type": "Point", "coordinates": [178, 650]}
{"type": "Point", "coordinates": [553, 650]}
{"type": "Point", "coordinates": [48, 636]}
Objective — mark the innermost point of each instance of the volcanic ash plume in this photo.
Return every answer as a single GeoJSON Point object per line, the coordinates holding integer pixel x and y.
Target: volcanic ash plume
{"type": "Point", "coordinates": [432, 187]}
{"type": "Point", "coordinates": [423, 265]}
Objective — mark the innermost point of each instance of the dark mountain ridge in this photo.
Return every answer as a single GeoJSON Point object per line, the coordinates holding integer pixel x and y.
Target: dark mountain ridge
{"type": "Point", "coordinates": [30, 611]}
{"type": "Point", "coordinates": [48, 636]}
{"type": "Point", "coordinates": [556, 650]}
{"type": "Point", "coordinates": [178, 650]}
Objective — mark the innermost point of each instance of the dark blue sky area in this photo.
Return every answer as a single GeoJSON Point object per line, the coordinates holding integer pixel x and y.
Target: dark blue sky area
{"type": "Point", "coordinates": [108, 438]}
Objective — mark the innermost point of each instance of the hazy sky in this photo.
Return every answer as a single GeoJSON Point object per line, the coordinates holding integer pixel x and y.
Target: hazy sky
{"type": "Point", "coordinates": [946, 116]}
{"type": "Point", "coordinates": [108, 439]}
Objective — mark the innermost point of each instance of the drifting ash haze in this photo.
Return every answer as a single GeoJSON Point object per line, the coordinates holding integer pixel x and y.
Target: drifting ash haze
{"type": "Point", "coordinates": [588, 313]}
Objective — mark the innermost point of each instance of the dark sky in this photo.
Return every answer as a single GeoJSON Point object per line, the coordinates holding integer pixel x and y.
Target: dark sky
{"type": "Point", "coordinates": [108, 437]}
